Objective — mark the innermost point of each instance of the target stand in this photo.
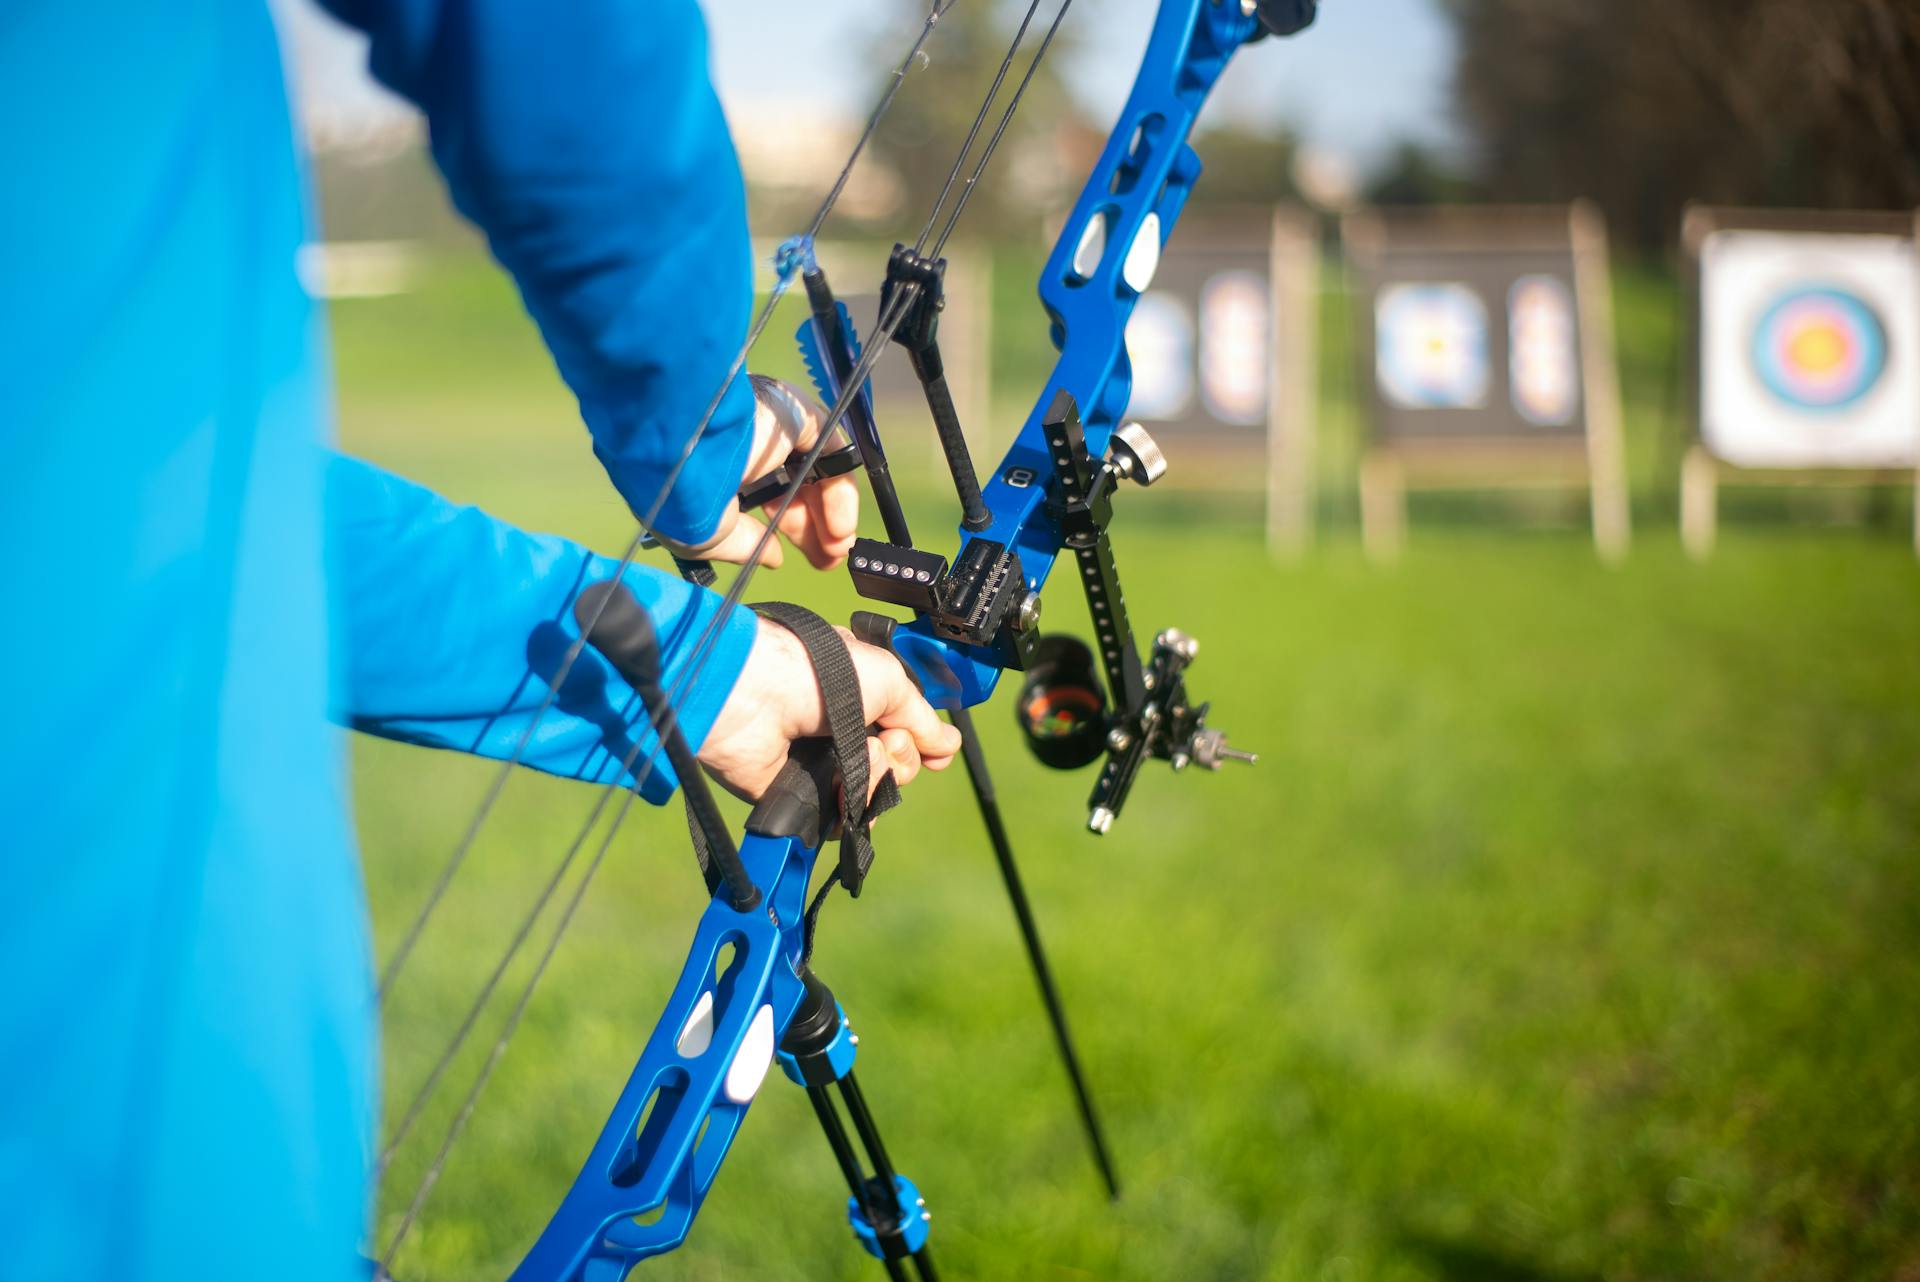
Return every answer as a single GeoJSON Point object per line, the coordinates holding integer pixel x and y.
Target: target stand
{"type": "Point", "coordinates": [1806, 356]}
{"type": "Point", "coordinates": [1486, 337]}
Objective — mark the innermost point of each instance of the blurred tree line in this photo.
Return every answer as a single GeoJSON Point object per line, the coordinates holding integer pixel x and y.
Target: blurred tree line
{"type": "Point", "coordinates": [1639, 105]}
{"type": "Point", "coordinates": [1642, 105]}
{"type": "Point", "coordinates": [1051, 142]}
{"type": "Point", "coordinates": [1047, 140]}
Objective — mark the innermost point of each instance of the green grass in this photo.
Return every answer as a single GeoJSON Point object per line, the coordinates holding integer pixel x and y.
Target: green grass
{"type": "Point", "coordinates": [1569, 927]}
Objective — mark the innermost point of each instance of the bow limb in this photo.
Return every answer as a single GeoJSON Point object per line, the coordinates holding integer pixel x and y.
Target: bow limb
{"type": "Point", "coordinates": [646, 1176]}
{"type": "Point", "coordinates": [1103, 261]}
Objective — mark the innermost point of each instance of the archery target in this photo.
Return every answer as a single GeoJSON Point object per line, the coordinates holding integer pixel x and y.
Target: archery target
{"type": "Point", "coordinates": [1819, 348]}
{"type": "Point", "coordinates": [1430, 345]}
{"type": "Point", "coordinates": [1160, 350]}
{"type": "Point", "coordinates": [1234, 347]}
{"type": "Point", "coordinates": [1543, 363]}
{"type": "Point", "coordinates": [1809, 348]}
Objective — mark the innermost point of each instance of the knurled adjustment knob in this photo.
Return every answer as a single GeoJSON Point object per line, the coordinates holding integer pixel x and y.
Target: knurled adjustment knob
{"type": "Point", "coordinates": [1209, 748]}
{"type": "Point", "coordinates": [1136, 454]}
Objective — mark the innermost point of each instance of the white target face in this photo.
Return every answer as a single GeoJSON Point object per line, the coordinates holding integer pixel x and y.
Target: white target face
{"type": "Point", "coordinates": [1430, 346]}
{"type": "Point", "coordinates": [1543, 363]}
{"type": "Point", "coordinates": [1234, 347]}
{"type": "Point", "coordinates": [1808, 349]}
{"type": "Point", "coordinates": [1160, 350]}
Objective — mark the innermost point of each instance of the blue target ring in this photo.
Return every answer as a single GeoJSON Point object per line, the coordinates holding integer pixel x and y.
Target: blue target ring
{"type": "Point", "coordinates": [1819, 348]}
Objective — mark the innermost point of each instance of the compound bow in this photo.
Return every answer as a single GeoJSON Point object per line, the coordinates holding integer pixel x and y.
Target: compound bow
{"type": "Point", "coordinates": [746, 996]}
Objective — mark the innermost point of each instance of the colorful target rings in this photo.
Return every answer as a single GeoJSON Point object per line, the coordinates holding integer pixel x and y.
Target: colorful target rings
{"type": "Point", "coordinates": [1819, 348]}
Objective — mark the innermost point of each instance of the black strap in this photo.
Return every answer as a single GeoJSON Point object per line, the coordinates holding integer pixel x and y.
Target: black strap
{"type": "Point", "coordinates": [847, 727]}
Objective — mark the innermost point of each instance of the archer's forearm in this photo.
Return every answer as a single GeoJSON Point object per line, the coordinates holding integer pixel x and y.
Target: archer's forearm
{"type": "Point", "coordinates": [451, 623]}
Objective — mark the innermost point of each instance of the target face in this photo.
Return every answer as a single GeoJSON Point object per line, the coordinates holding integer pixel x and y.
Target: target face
{"type": "Point", "coordinates": [1819, 348]}
{"type": "Point", "coordinates": [1234, 343]}
{"type": "Point", "coordinates": [1160, 350]}
{"type": "Point", "coordinates": [1430, 345]}
{"type": "Point", "coordinates": [1543, 361]}
{"type": "Point", "coordinates": [1810, 349]}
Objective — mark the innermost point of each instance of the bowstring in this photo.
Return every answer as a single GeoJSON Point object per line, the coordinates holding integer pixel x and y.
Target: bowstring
{"type": "Point", "coordinates": [390, 973]}
{"type": "Point", "coordinates": [512, 1022]}
{"type": "Point", "coordinates": [704, 647]}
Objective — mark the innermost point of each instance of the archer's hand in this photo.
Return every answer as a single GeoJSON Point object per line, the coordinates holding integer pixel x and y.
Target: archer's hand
{"type": "Point", "coordinates": [777, 700]}
{"type": "Point", "coordinates": [824, 516]}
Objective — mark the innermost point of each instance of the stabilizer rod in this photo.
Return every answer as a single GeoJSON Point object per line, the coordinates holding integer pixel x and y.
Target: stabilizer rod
{"type": "Point", "coordinates": [983, 792]}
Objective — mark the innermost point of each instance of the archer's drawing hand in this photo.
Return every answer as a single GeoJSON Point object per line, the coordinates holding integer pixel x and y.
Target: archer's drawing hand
{"type": "Point", "coordinates": [776, 700]}
{"type": "Point", "coordinates": [823, 518]}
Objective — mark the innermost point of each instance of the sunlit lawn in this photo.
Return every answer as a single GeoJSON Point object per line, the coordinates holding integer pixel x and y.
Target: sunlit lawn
{"type": "Point", "coordinates": [1568, 928]}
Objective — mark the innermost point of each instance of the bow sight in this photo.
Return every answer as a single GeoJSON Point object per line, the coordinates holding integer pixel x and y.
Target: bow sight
{"type": "Point", "coordinates": [984, 607]}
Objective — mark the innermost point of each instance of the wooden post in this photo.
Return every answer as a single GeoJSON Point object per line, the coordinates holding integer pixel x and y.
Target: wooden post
{"type": "Point", "coordinates": [966, 345]}
{"type": "Point", "coordinates": [1292, 382]}
{"type": "Point", "coordinates": [1699, 501]}
{"type": "Point", "coordinates": [1383, 505]}
{"type": "Point", "coordinates": [1600, 375]}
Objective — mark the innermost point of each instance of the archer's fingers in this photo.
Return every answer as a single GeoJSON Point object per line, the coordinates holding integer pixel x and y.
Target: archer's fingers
{"type": "Point", "coordinates": [835, 504]}
{"type": "Point", "coordinates": [736, 541]}
{"type": "Point", "coordinates": [803, 531]}
{"type": "Point", "coordinates": [812, 519]}
{"type": "Point", "coordinates": [891, 750]}
{"type": "Point", "coordinates": [893, 703]}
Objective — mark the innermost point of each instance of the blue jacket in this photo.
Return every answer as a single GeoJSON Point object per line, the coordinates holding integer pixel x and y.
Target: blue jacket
{"type": "Point", "coordinates": [194, 585]}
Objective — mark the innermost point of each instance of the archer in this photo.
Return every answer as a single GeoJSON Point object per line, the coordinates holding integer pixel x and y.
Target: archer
{"type": "Point", "coordinates": [189, 1045]}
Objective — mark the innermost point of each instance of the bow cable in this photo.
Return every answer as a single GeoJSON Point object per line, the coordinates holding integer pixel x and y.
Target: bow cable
{"type": "Point", "coordinates": [1006, 118]}
{"type": "Point", "coordinates": [973, 130]}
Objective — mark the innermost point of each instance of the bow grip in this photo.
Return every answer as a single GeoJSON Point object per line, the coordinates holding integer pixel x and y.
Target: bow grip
{"type": "Point", "coordinates": [804, 799]}
{"type": "Point", "coordinates": [615, 624]}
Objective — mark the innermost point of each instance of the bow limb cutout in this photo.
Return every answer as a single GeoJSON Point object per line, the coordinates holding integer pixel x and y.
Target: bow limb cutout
{"type": "Point", "coordinates": [646, 1176]}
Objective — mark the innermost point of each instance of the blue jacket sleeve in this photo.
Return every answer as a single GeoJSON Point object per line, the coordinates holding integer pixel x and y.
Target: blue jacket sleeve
{"type": "Point", "coordinates": [585, 140]}
{"type": "Point", "coordinates": [455, 622]}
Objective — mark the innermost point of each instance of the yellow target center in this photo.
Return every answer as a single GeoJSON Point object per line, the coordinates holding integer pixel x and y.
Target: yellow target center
{"type": "Point", "coordinates": [1818, 349]}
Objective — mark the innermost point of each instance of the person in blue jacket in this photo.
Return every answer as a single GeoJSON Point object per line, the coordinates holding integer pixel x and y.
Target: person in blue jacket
{"type": "Point", "coordinates": [195, 586]}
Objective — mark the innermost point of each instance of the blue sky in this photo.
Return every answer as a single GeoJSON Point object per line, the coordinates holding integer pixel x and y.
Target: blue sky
{"type": "Point", "coordinates": [1366, 74]}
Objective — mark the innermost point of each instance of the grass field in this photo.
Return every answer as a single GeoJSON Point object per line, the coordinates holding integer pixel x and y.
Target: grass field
{"type": "Point", "coordinates": [1569, 927]}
